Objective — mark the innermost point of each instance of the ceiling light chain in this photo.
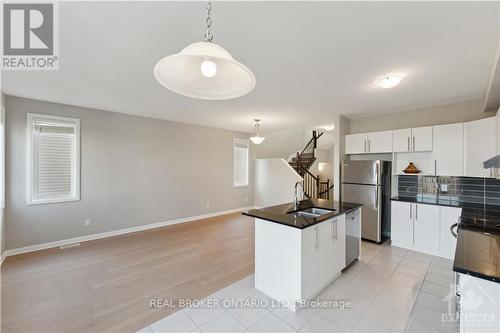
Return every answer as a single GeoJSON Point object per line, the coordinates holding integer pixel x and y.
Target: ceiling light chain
{"type": "Point", "coordinates": [208, 34]}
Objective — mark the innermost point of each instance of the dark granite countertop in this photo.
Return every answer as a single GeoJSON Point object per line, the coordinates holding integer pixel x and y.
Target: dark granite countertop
{"type": "Point", "coordinates": [478, 246]}
{"type": "Point", "coordinates": [282, 213]}
{"type": "Point", "coordinates": [478, 254]}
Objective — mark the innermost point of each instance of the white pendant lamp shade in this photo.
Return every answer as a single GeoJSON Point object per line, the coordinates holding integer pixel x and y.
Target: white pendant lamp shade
{"type": "Point", "coordinates": [256, 138]}
{"type": "Point", "coordinates": [204, 70]}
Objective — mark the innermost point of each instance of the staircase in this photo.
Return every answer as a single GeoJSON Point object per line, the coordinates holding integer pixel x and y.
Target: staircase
{"type": "Point", "coordinates": [302, 162]}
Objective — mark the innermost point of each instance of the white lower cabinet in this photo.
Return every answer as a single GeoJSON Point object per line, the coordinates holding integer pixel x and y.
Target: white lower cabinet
{"type": "Point", "coordinates": [323, 254]}
{"type": "Point", "coordinates": [426, 227]}
{"type": "Point", "coordinates": [294, 264]}
{"type": "Point", "coordinates": [402, 223]}
{"type": "Point", "coordinates": [423, 228]}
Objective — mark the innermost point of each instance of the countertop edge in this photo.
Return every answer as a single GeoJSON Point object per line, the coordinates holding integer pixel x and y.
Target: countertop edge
{"type": "Point", "coordinates": [319, 220]}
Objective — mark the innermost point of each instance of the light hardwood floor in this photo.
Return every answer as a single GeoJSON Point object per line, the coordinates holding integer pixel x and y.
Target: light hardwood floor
{"type": "Point", "coordinates": [107, 285]}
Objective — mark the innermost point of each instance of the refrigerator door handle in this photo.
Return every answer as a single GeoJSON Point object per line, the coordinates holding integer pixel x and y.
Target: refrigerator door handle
{"type": "Point", "coordinates": [376, 173]}
{"type": "Point", "coordinates": [376, 196]}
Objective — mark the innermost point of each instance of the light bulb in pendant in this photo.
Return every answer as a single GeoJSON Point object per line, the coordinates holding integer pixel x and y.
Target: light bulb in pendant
{"type": "Point", "coordinates": [208, 68]}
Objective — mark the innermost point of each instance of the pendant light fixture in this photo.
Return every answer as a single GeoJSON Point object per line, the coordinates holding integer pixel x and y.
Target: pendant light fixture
{"type": "Point", "coordinates": [205, 70]}
{"type": "Point", "coordinates": [256, 138]}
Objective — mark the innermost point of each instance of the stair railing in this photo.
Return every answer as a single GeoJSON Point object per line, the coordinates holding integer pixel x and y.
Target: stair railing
{"type": "Point", "coordinates": [311, 184]}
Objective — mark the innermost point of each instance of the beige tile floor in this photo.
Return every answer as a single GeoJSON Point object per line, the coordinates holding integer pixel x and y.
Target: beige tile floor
{"type": "Point", "coordinates": [390, 290]}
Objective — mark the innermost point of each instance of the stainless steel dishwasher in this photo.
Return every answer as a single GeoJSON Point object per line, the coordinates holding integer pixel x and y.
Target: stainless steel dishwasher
{"type": "Point", "coordinates": [353, 236]}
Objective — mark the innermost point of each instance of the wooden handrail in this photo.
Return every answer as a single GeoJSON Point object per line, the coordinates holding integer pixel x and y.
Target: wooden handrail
{"type": "Point", "coordinates": [309, 172]}
{"type": "Point", "coordinates": [327, 190]}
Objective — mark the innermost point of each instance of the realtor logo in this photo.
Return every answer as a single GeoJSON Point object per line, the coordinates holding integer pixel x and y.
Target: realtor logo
{"type": "Point", "coordinates": [29, 36]}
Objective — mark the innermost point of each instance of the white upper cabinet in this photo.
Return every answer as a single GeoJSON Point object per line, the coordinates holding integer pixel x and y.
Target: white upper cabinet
{"type": "Point", "coordinates": [355, 143]}
{"type": "Point", "coordinates": [422, 138]}
{"type": "Point", "coordinates": [379, 142]}
{"type": "Point", "coordinates": [480, 136]}
{"type": "Point", "coordinates": [401, 140]}
{"type": "Point", "coordinates": [364, 143]}
{"type": "Point", "coordinates": [448, 150]}
{"type": "Point", "coordinates": [412, 139]}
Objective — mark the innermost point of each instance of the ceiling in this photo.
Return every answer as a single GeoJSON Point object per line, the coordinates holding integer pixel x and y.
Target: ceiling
{"type": "Point", "coordinates": [311, 59]}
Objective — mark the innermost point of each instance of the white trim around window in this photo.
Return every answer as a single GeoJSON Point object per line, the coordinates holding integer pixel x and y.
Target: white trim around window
{"type": "Point", "coordinates": [241, 163]}
{"type": "Point", "coordinates": [52, 159]}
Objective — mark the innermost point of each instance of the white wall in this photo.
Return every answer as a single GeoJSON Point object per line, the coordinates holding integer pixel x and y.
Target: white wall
{"type": "Point", "coordinates": [342, 128]}
{"type": "Point", "coordinates": [323, 156]}
{"type": "Point", "coordinates": [280, 144]}
{"type": "Point", "coordinates": [274, 182]}
{"type": "Point", "coordinates": [134, 171]}
{"type": "Point", "coordinates": [445, 114]}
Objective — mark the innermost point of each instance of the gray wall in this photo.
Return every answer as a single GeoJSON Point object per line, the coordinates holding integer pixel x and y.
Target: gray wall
{"type": "Point", "coordinates": [134, 171]}
{"type": "Point", "coordinates": [445, 114]}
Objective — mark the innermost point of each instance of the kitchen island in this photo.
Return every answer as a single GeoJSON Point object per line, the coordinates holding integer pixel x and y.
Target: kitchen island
{"type": "Point", "coordinates": [301, 248]}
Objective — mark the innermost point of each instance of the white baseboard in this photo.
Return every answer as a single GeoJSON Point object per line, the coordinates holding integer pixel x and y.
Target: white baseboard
{"type": "Point", "coordinates": [38, 247]}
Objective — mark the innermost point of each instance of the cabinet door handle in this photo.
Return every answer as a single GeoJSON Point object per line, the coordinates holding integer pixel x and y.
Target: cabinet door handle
{"type": "Point", "coordinates": [317, 238]}
{"type": "Point", "coordinates": [416, 212]}
{"type": "Point", "coordinates": [408, 143]}
{"type": "Point", "coordinates": [364, 149]}
{"type": "Point", "coordinates": [411, 211]}
{"type": "Point", "coordinates": [435, 167]}
{"type": "Point", "coordinates": [413, 143]}
{"type": "Point", "coordinates": [369, 146]}
{"type": "Point", "coordinates": [336, 230]}
{"type": "Point", "coordinates": [333, 233]}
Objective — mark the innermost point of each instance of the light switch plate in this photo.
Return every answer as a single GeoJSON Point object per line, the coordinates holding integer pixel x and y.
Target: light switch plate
{"type": "Point", "coordinates": [444, 187]}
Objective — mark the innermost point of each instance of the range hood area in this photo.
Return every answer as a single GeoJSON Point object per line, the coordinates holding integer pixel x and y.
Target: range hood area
{"type": "Point", "coordinates": [493, 162]}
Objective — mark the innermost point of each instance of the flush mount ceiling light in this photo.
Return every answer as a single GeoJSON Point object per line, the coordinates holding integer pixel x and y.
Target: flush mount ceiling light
{"type": "Point", "coordinates": [205, 70]}
{"type": "Point", "coordinates": [256, 138]}
{"type": "Point", "coordinates": [388, 80]}
{"type": "Point", "coordinates": [329, 127]}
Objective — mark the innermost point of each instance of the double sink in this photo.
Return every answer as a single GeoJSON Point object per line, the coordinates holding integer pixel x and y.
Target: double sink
{"type": "Point", "coordinates": [312, 212]}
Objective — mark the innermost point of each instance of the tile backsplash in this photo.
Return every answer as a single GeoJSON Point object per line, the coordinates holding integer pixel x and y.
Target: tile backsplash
{"type": "Point", "coordinates": [464, 189]}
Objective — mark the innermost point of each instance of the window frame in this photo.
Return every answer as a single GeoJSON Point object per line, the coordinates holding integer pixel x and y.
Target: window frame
{"type": "Point", "coordinates": [247, 143]}
{"type": "Point", "coordinates": [30, 143]}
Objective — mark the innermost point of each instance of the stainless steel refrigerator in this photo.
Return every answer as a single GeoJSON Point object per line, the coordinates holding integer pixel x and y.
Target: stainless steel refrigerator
{"type": "Point", "coordinates": [369, 183]}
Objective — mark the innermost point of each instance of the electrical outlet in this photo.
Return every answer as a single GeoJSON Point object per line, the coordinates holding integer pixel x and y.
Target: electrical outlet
{"type": "Point", "coordinates": [444, 187]}
{"type": "Point", "coordinates": [207, 204]}
{"type": "Point", "coordinates": [88, 222]}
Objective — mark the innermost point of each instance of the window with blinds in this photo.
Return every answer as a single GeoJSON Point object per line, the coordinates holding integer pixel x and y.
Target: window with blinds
{"type": "Point", "coordinates": [53, 159]}
{"type": "Point", "coordinates": [240, 162]}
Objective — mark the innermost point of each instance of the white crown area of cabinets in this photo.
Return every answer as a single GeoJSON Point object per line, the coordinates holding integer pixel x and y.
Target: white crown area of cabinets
{"type": "Point", "coordinates": [445, 150]}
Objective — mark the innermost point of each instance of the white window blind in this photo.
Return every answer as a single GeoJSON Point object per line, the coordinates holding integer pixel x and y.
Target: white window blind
{"type": "Point", "coordinates": [53, 159]}
{"type": "Point", "coordinates": [240, 162]}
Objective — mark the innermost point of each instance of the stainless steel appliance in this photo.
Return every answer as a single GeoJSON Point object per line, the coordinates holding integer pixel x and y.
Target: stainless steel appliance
{"type": "Point", "coordinates": [352, 231]}
{"type": "Point", "coordinates": [369, 183]}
